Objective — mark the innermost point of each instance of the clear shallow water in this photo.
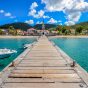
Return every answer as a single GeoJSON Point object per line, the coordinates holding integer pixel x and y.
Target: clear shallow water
{"type": "Point", "coordinates": [15, 44]}
{"type": "Point", "coordinates": [77, 49]}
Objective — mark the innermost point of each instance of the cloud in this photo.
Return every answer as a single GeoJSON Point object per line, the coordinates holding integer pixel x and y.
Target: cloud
{"type": "Point", "coordinates": [46, 17]}
{"type": "Point", "coordinates": [29, 21]}
{"type": "Point", "coordinates": [69, 23]}
{"type": "Point", "coordinates": [13, 17]}
{"type": "Point", "coordinates": [73, 9]}
{"type": "Point", "coordinates": [34, 5]}
{"type": "Point", "coordinates": [59, 21]}
{"type": "Point", "coordinates": [52, 21]}
{"type": "Point", "coordinates": [36, 14]}
{"type": "Point", "coordinates": [61, 5]}
{"type": "Point", "coordinates": [32, 12]}
{"type": "Point", "coordinates": [41, 13]}
{"type": "Point", "coordinates": [38, 22]}
{"type": "Point", "coordinates": [53, 5]}
{"type": "Point", "coordinates": [8, 14]}
{"type": "Point", "coordinates": [74, 16]}
{"type": "Point", "coordinates": [1, 11]}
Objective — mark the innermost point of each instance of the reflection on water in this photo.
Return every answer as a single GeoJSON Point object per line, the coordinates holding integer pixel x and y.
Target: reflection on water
{"type": "Point", "coordinates": [75, 48]}
{"type": "Point", "coordinates": [15, 44]}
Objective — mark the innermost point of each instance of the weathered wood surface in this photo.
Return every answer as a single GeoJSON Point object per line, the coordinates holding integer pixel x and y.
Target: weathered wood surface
{"type": "Point", "coordinates": [43, 67]}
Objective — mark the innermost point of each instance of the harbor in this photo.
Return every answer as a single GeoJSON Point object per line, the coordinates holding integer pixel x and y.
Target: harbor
{"type": "Point", "coordinates": [43, 65]}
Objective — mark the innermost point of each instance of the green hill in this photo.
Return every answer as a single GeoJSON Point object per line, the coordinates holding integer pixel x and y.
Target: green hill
{"type": "Point", "coordinates": [47, 26]}
{"type": "Point", "coordinates": [83, 24]}
{"type": "Point", "coordinates": [25, 26]}
{"type": "Point", "coordinates": [17, 25]}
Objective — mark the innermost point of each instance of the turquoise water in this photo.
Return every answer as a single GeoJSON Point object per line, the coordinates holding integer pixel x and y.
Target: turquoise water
{"type": "Point", "coordinates": [15, 44]}
{"type": "Point", "coordinates": [77, 49]}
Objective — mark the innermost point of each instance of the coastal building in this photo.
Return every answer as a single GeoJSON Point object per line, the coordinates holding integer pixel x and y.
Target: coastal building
{"type": "Point", "coordinates": [39, 31]}
{"type": "Point", "coordinates": [4, 31]}
{"type": "Point", "coordinates": [19, 32]}
{"type": "Point", "coordinates": [72, 31]}
{"type": "Point", "coordinates": [25, 33]}
{"type": "Point", "coordinates": [84, 32]}
{"type": "Point", "coordinates": [31, 31]}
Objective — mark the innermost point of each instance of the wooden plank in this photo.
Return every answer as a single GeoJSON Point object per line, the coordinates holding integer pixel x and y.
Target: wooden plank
{"type": "Point", "coordinates": [36, 68]}
{"type": "Point", "coordinates": [42, 65]}
{"type": "Point", "coordinates": [52, 71]}
{"type": "Point", "coordinates": [44, 75]}
{"type": "Point", "coordinates": [41, 85]}
{"type": "Point", "coordinates": [34, 80]}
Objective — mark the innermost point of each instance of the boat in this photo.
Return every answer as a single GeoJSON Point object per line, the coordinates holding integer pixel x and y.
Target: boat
{"type": "Point", "coordinates": [27, 45]}
{"type": "Point", "coordinates": [5, 53]}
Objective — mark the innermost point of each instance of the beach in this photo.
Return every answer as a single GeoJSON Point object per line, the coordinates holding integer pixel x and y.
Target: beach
{"type": "Point", "coordinates": [60, 36]}
{"type": "Point", "coordinates": [70, 36]}
{"type": "Point", "coordinates": [18, 36]}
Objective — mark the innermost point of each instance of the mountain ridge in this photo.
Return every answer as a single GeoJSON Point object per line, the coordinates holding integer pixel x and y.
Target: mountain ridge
{"type": "Point", "coordinates": [25, 26]}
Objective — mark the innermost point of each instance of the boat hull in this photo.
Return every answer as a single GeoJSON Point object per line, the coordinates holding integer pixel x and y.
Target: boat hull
{"type": "Point", "coordinates": [5, 56]}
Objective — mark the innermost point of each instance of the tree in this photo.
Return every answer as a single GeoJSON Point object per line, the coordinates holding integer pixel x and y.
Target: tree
{"type": "Point", "coordinates": [63, 30]}
{"type": "Point", "coordinates": [86, 30]}
{"type": "Point", "coordinates": [68, 30]}
{"type": "Point", "coordinates": [59, 28]}
{"type": "Point", "coordinates": [12, 31]}
{"type": "Point", "coordinates": [1, 32]}
{"type": "Point", "coordinates": [51, 29]}
{"type": "Point", "coordinates": [79, 30]}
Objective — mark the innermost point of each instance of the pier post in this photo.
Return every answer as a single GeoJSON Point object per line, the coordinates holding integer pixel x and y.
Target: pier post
{"type": "Point", "coordinates": [73, 64]}
{"type": "Point", "coordinates": [12, 64]}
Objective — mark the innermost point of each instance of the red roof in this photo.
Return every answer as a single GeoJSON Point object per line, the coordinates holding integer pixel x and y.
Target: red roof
{"type": "Point", "coordinates": [31, 29]}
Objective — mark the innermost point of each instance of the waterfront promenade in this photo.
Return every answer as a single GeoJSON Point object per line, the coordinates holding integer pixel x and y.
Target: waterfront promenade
{"type": "Point", "coordinates": [45, 67]}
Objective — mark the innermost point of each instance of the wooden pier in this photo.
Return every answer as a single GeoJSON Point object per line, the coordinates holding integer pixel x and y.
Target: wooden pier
{"type": "Point", "coordinates": [45, 67]}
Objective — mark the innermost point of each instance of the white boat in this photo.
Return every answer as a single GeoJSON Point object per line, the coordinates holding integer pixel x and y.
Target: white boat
{"type": "Point", "coordinates": [4, 53]}
{"type": "Point", "coordinates": [27, 45]}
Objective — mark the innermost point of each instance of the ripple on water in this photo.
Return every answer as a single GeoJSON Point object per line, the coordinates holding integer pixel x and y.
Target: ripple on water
{"type": "Point", "coordinates": [15, 44]}
{"type": "Point", "coordinates": [76, 48]}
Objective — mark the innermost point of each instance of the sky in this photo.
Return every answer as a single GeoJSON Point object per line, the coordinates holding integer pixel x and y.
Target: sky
{"type": "Point", "coordinates": [63, 12]}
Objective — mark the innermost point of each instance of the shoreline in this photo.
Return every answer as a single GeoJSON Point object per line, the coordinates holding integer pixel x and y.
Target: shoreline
{"type": "Point", "coordinates": [18, 36]}
{"type": "Point", "coordinates": [61, 36]}
{"type": "Point", "coordinates": [69, 36]}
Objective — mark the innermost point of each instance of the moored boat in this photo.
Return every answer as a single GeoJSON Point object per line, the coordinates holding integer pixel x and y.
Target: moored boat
{"type": "Point", "coordinates": [27, 45]}
{"type": "Point", "coordinates": [5, 53]}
